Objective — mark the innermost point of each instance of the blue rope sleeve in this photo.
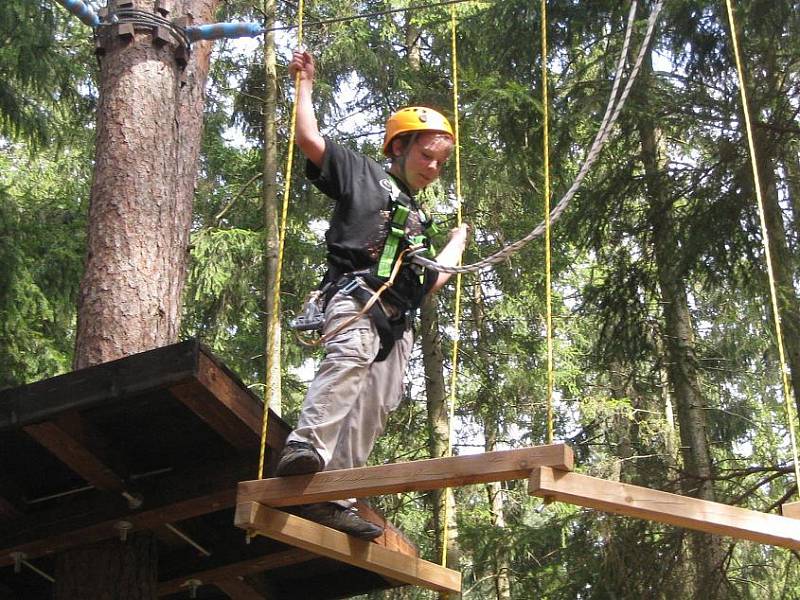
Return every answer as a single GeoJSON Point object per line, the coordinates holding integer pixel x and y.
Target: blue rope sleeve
{"type": "Point", "coordinates": [216, 31]}
{"type": "Point", "coordinates": [81, 10]}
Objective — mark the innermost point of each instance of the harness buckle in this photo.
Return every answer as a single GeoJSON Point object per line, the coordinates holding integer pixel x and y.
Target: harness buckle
{"type": "Point", "coordinates": [351, 286]}
{"type": "Point", "coordinates": [313, 315]}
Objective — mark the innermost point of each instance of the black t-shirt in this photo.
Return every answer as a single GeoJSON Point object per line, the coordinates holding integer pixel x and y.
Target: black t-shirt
{"type": "Point", "coordinates": [361, 218]}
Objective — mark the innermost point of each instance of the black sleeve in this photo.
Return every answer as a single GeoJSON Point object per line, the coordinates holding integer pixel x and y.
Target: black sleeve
{"type": "Point", "coordinates": [429, 280]}
{"type": "Point", "coordinates": [342, 174]}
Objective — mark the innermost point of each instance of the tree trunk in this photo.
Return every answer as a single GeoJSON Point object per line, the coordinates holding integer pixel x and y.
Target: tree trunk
{"type": "Point", "coordinates": [502, 558]}
{"type": "Point", "coordinates": [438, 421]}
{"type": "Point", "coordinates": [270, 198]}
{"type": "Point", "coordinates": [149, 129]}
{"type": "Point", "coordinates": [791, 164]}
{"type": "Point", "coordinates": [782, 261]}
{"type": "Point", "coordinates": [680, 347]}
{"type": "Point", "coordinates": [110, 570]}
{"type": "Point", "coordinates": [148, 139]}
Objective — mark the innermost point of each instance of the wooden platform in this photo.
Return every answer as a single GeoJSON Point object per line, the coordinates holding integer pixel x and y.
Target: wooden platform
{"type": "Point", "coordinates": [253, 514]}
{"type": "Point", "coordinates": [664, 507]}
{"type": "Point", "coordinates": [159, 441]}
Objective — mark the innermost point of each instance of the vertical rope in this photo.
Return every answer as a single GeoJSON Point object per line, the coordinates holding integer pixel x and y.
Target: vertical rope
{"type": "Point", "coordinates": [547, 258]}
{"type": "Point", "coordinates": [457, 308]}
{"type": "Point", "coordinates": [787, 395]}
{"type": "Point", "coordinates": [276, 297]}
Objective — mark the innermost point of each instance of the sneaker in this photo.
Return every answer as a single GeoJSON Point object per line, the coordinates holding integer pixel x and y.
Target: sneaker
{"type": "Point", "coordinates": [299, 458]}
{"type": "Point", "coordinates": [337, 517]}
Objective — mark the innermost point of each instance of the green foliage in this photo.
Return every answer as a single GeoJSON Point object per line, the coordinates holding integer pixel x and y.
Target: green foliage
{"type": "Point", "coordinates": [42, 230]}
{"type": "Point", "coordinates": [43, 54]}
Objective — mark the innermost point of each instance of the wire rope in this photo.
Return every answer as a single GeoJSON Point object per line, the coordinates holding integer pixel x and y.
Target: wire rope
{"type": "Point", "coordinates": [369, 15]}
{"type": "Point", "coordinates": [272, 338]}
{"type": "Point", "coordinates": [613, 108]}
{"type": "Point", "coordinates": [787, 395]}
{"type": "Point", "coordinates": [147, 19]}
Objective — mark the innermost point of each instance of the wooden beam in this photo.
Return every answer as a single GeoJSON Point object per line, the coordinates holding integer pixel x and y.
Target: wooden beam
{"type": "Point", "coordinates": [664, 507]}
{"type": "Point", "coordinates": [12, 499]}
{"type": "Point", "coordinates": [325, 541]}
{"type": "Point", "coordinates": [791, 510]}
{"type": "Point", "coordinates": [8, 510]}
{"type": "Point", "coordinates": [237, 589]}
{"type": "Point", "coordinates": [67, 448]}
{"type": "Point", "coordinates": [435, 473]}
{"type": "Point", "coordinates": [203, 403]}
{"type": "Point", "coordinates": [391, 538]}
{"type": "Point", "coordinates": [148, 519]}
{"type": "Point", "coordinates": [268, 562]}
{"type": "Point", "coordinates": [217, 396]}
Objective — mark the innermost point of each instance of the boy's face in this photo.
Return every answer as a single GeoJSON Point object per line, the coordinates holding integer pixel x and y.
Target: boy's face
{"type": "Point", "coordinates": [423, 160]}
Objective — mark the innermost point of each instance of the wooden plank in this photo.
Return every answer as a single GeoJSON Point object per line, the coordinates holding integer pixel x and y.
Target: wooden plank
{"type": "Point", "coordinates": [791, 510]}
{"type": "Point", "coordinates": [664, 507]}
{"type": "Point", "coordinates": [268, 562]}
{"type": "Point", "coordinates": [418, 475]}
{"type": "Point", "coordinates": [237, 589]}
{"type": "Point", "coordinates": [325, 541]}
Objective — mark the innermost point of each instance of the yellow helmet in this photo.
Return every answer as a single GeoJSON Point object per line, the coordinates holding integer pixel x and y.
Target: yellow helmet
{"type": "Point", "coordinates": [415, 118]}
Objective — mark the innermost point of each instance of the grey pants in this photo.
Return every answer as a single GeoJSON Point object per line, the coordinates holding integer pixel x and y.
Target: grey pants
{"type": "Point", "coordinates": [351, 396]}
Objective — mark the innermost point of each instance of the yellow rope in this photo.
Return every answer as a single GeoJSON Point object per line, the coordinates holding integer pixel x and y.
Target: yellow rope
{"type": "Point", "coordinates": [548, 277]}
{"type": "Point", "coordinates": [787, 395]}
{"type": "Point", "coordinates": [276, 292]}
{"type": "Point", "coordinates": [457, 309]}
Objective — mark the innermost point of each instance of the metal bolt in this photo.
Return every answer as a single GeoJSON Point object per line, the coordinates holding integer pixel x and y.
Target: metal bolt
{"type": "Point", "coordinates": [193, 584]}
{"type": "Point", "coordinates": [123, 527]}
{"type": "Point", "coordinates": [18, 557]}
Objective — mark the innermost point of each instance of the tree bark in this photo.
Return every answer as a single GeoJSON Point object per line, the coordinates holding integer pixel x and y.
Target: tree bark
{"type": "Point", "coordinates": [270, 199]}
{"type": "Point", "coordinates": [148, 139]}
{"type": "Point", "coordinates": [111, 570]}
{"type": "Point", "coordinates": [791, 164]}
{"type": "Point", "coordinates": [682, 366]}
{"type": "Point", "coordinates": [782, 260]}
{"type": "Point", "coordinates": [149, 129]}
{"type": "Point", "coordinates": [494, 490]}
{"type": "Point", "coordinates": [438, 419]}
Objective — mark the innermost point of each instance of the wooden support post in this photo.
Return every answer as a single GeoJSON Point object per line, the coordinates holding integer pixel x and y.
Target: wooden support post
{"type": "Point", "coordinates": [431, 474]}
{"type": "Point", "coordinates": [328, 542]}
{"type": "Point", "coordinates": [672, 509]}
